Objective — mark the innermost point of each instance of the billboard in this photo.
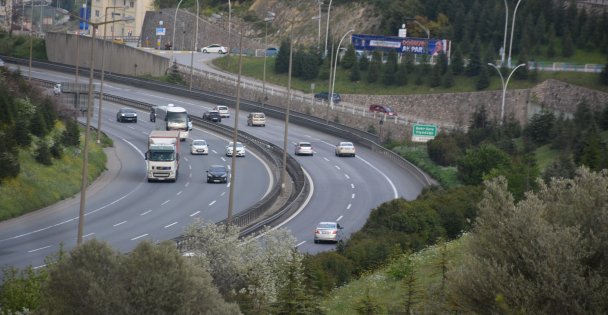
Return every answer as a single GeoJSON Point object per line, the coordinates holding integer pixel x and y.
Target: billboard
{"type": "Point", "coordinates": [85, 15]}
{"type": "Point", "coordinates": [412, 45]}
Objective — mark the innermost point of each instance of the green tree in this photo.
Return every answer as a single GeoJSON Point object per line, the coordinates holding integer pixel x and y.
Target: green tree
{"type": "Point", "coordinates": [390, 69]}
{"type": "Point", "coordinates": [38, 125]}
{"type": "Point", "coordinates": [281, 62]}
{"type": "Point", "coordinates": [516, 250]}
{"type": "Point", "coordinates": [448, 79]}
{"type": "Point", "coordinates": [567, 45]}
{"type": "Point", "coordinates": [457, 63]}
{"type": "Point", "coordinates": [375, 67]}
{"type": "Point", "coordinates": [483, 81]}
{"type": "Point", "coordinates": [540, 129]}
{"type": "Point", "coordinates": [401, 77]}
{"type": "Point", "coordinates": [174, 75]}
{"type": "Point", "coordinates": [563, 167]}
{"type": "Point", "coordinates": [71, 135]}
{"type": "Point", "coordinates": [355, 73]}
{"type": "Point", "coordinates": [479, 162]}
{"type": "Point", "coordinates": [474, 66]}
{"type": "Point", "coordinates": [9, 156]}
{"type": "Point", "coordinates": [444, 149]}
{"type": "Point", "coordinates": [435, 77]}
{"type": "Point", "coordinates": [43, 153]}
{"type": "Point", "coordinates": [368, 305]}
{"type": "Point", "coordinates": [364, 63]}
{"type": "Point", "coordinates": [349, 59]}
{"type": "Point", "coordinates": [21, 289]}
{"type": "Point", "coordinates": [309, 66]}
{"type": "Point", "coordinates": [590, 149]}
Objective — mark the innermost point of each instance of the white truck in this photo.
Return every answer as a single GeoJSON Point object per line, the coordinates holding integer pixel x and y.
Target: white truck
{"type": "Point", "coordinates": [163, 155]}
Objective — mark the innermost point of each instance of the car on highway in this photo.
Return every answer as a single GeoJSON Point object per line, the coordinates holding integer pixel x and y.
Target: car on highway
{"type": "Point", "coordinates": [382, 109]}
{"type": "Point", "coordinates": [57, 89]}
{"type": "Point", "coordinates": [240, 149]}
{"type": "Point", "coordinates": [303, 148]}
{"type": "Point", "coordinates": [272, 51]}
{"type": "Point", "coordinates": [223, 110]}
{"type": "Point", "coordinates": [256, 119]}
{"type": "Point", "coordinates": [212, 115]}
{"type": "Point", "coordinates": [345, 149]}
{"type": "Point", "coordinates": [126, 114]}
{"type": "Point", "coordinates": [214, 48]}
{"type": "Point", "coordinates": [217, 174]}
{"type": "Point", "coordinates": [325, 97]}
{"type": "Point", "coordinates": [328, 232]}
{"type": "Point", "coordinates": [199, 147]}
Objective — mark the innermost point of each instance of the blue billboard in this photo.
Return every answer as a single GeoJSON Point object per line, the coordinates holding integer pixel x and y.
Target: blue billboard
{"type": "Point", "coordinates": [85, 14]}
{"type": "Point", "coordinates": [412, 45]}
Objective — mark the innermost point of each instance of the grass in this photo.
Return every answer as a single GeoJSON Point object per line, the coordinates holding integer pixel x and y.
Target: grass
{"type": "Point", "coordinates": [36, 185]}
{"type": "Point", "coordinates": [390, 293]}
{"type": "Point", "coordinates": [417, 154]}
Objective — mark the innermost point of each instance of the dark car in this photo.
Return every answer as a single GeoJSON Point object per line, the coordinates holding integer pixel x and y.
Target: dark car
{"type": "Point", "coordinates": [212, 115]}
{"type": "Point", "coordinates": [126, 114]}
{"type": "Point", "coordinates": [382, 109]}
{"type": "Point", "coordinates": [271, 51]}
{"type": "Point", "coordinates": [217, 174]}
{"type": "Point", "coordinates": [325, 96]}
{"type": "Point", "coordinates": [153, 114]}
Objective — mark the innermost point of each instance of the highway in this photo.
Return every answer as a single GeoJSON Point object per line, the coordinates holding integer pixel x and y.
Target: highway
{"type": "Point", "coordinates": [123, 208]}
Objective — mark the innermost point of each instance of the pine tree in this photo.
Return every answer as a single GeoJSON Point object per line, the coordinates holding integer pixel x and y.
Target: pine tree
{"type": "Point", "coordinates": [71, 135]}
{"type": "Point", "coordinates": [401, 76]}
{"type": "Point", "coordinates": [448, 79]}
{"type": "Point", "coordinates": [355, 74]}
{"type": "Point", "coordinates": [43, 154]}
{"type": "Point", "coordinates": [435, 77]}
{"type": "Point", "coordinates": [349, 59]}
{"type": "Point", "coordinates": [457, 64]}
{"type": "Point", "coordinates": [483, 80]}
{"type": "Point", "coordinates": [474, 67]}
{"type": "Point", "coordinates": [9, 156]}
{"type": "Point", "coordinates": [390, 68]}
{"type": "Point", "coordinates": [375, 67]}
{"type": "Point", "coordinates": [38, 125]}
{"type": "Point", "coordinates": [281, 62]}
{"type": "Point", "coordinates": [309, 66]}
{"type": "Point", "coordinates": [364, 63]}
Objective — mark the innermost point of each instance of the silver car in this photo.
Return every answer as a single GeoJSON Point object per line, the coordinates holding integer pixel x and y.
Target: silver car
{"type": "Point", "coordinates": [345, 149]}
{"type": "Point", "coordinates": [240, 149]}
{"type": "Point", "coordinates": [304, 148]}
{"type": "Point", "coordinates": [328, 232]}
{"type": "Point", "coordinates": [199, 147]}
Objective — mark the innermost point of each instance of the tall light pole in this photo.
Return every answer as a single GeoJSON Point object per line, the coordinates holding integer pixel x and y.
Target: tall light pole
{"type": "Point", "coordinates": [319, 35]}
{"type": "Point", "coordinates": [269, 18]}
{"type": "Point", "coordinates": [426, 30]}
{"type": "Point", "coordinates": [235, 136]}
{"type": "Point", "coordinates": [504, 87]}
{"type": "Point", "coordinates": [504, 42]}
{"type": "Point", "coordinates": [175, 21]}
{"type": "Point", "coordinates": [512, 28]}
{"type": "Point", "coordinates": [85, 155]}
{"type": "Point", "coordinates": [229, 24]}
{"type": "Point", "coordinates": [195, 46]}
{"type": "Point", "coordinates": [29, 75]}
{"type": "Point", "coordinates": [103, 58]}
{"type": "Point", "coordinates": [327, 29]}
{"type": "Point", "coordinates": [333, 82]}
{"type": "Point", "coordinates": [286, 133]}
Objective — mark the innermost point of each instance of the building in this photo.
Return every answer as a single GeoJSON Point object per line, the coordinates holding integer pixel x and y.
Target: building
{"type": "Point", "coordinates": [117, 10]}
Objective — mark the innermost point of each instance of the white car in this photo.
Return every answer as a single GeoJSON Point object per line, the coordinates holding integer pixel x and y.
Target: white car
{"type": "Point", "coordinates": [240, 149]}
{"type": "Point", "coordinates": [345, 149]}
{"type": "Point", "coordinates": [328, 232]}
{"type": "Point", "coordinates": [304, 148]}
{"type": "Point", "coordinates": [214, 48]}
{"type": "Point", "coordinates": [223, 110]}
{"type": "Point", "coordinates": [199, 147]}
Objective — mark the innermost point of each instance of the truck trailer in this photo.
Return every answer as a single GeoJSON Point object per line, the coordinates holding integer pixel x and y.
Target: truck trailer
{"type": "Point", "coordinates": [163, 155]}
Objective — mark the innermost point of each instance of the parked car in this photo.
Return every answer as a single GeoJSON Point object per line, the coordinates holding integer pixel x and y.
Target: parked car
{"type": "Point", "coordinates": [240, 149]}
{"type": "Point", "coordinates": [345, 148]}
{"type": "Point", "coordinates": [256, 119]}
{"type": "Point", "coordinates": [328, 232]}
{"type": "Point", "coordinates": [325, 97]}
{"type": "Point", "coordinates": [271, 51]}
{"type": "Point", "coordinates": [382, 109]}
{"type": "Point", "coordinates": [57, 89]}
{"type": "Point", "coordinates": [212, 115]}
{"type": "Point", "coordinates": [217, 174]}
{"type": "Point", "coordinates": [224, 111]}
{"type": "Point", "coordinates": [126, 114]}
{"type": "Point", "coordinates": [214, 48]}
{"type": "Point", "coordinates": [199, 147]}
{"type": "Point", "coordinates": [303, 148]}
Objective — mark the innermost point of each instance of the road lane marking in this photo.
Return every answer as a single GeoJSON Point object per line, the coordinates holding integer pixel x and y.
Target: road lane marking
{"type": "Point", "coordinates": [352, 186]}
{"type": "Point", "coordinates": [120, 223]}
{"type": "Point", "coordinates": [138, 237]}
{"type": "Point", "coordinates": [348, 207]}
{"type": "Point", "coordinates": [37, 249]}
{"type": "Point", "coordinates": [337, 167]}
{"type": "Point", "coordinates": [144, 213]}
{"type": "Point", "coordinates": [346, 175]}
{"type": "Point", "coordinates": [353, 196]}
{"type": "Point", "coordinates": [326, 159]}
{"type": "Point", "coordinates": [164, 203]}
{"type": "Point", "coordinates": [179, 192]}
{"type": "Point", "coordinates": [188, 183]}
{"type": "Point", "coordinates": [297, 245]}
{"type": "Point", "coordinates": [197, 212]}
{"type": "Point", "coordinates": [339, 218]}
{"type": "Point", "coordinates": [222, 194]}
{"type": "Point", "coordinates": [90, 234]}
{"type": "Point", "coordinates": [212, 203]}
{"type": "Point", "coordinates": [170, 225]}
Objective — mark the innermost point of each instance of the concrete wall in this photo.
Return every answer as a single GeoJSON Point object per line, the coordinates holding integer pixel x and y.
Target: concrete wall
{"type": "Point", "coordinates": [122, 59]}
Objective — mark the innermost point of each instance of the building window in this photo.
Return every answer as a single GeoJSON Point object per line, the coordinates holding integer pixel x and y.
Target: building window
{"type": "Point", "coordinates": [131, 4]}
{"type": "Point", "coordinates": [97, 13]}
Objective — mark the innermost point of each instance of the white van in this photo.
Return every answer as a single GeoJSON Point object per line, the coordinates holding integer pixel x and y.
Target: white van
{"type": "Point", "coordinates": [224, 112]}
{"type": "Point", "coordinates": [256, 119]}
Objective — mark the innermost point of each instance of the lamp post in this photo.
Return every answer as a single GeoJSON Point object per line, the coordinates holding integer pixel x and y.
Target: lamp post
{"type": "Point", "coordinates": [103, 58]}
{"type": "Point", "coordinates": [175, 21]}
{"type": "Point", "coordinates": [426, 30]}
{"type": "Point", "coordinates": [85, 156]}
{"type": "Point", "coordinates": [269, 18]}
{"type": "Point", "coordinates": [504, 41]}
{"type": "Point", "coordinates": [286, 133]}
{"type": "Point", "coordinates": [195, 46]}
{"type": "Point", "coordinates": [235, 136]}
{"type": "Point", "coordinates": [319, 35]}
{"type": "Point", "coordinates": [229, 23]}
{"type": "Point", "coordinates": [327, 29]}
{"type": "Point", "coordinates": [512, 28]}
{"type": "Point", "coordinates": [333, 82]}
{"type": "Point", "coordinates": [504, 87]}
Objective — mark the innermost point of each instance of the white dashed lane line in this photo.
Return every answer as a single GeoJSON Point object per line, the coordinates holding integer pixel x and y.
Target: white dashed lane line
{"type": "Point", "coordinates": [37, 249]}
{"type": "Point", "coordinates": [300, 243]}
{"type": "Point", "coordinates": [346, 175]}
{"type": "Point", "coordinates": [212, 203]}
{"type": "Point", "coordinates": [119, 223]}
{"type": "Point", "coordinates": [166, 202]}
{"type": "Point", "coordinates": [90, 234]}
{"type": "Point", "coordinates": [138, 237]}
{"type": "Point", "coordinates": [348, 207]}
{"type": "Point", "coordinates": [144, 213]}
{"type": "Point", "coordinates": [337, 167]}
{"type": "Point", "coordinates": [339, 218]}
{"type": "Point", "coordinates": [170, 225]}
{"type": "Point", "coordinates": [352, 186]}
{"type": "Point", "coordinates": [326, 159]}
{"type": "Point", "coordinates": [195, 213]}
{"type": "Point", "coordinates": [179, 192]}
{"type": "Point", "coordinates": [353, 196]}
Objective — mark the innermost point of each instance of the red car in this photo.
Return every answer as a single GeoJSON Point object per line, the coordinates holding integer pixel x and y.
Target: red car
{"type": "Point", "coordinates": [383, 109]}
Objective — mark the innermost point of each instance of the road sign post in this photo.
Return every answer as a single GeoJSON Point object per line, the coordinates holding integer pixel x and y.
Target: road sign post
{"type": "Point", "coordinates": [423, 133]}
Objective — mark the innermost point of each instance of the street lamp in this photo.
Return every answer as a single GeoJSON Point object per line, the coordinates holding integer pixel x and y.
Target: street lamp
{"type": "Point", "coordinates": [175, 21]}
{"type": "Point", "coordinates": [103, 58]}
{"type": "Point", "coordinates": [426, 30]}
{"type": "Point", "coordinates": [235, 136]}
{"type": "Point", "coordinates": [195, 46]}
{"type": "Point", "coordinates": [85, 156]}
{"type": "Point", "coordinates": [333, 82]}
{"type": "Point", "coordinates": [319, 17]}
{"type": "Point", "coordinates": [269, 18]}
{"type": "Point", "coordinates": [286, 133]}
{"type": "Point", "coordinates": [327, 29]}
{"type": "Point", "coordinates": [512, 28]}
{"type": "Point", "coordinates": [504, 42]}
{"type": "Point", "coordinates": [504, 87]}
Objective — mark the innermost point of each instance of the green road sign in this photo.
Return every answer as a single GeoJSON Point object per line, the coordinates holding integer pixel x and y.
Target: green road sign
{"type": "Point", "coordinates": [423, 133]}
